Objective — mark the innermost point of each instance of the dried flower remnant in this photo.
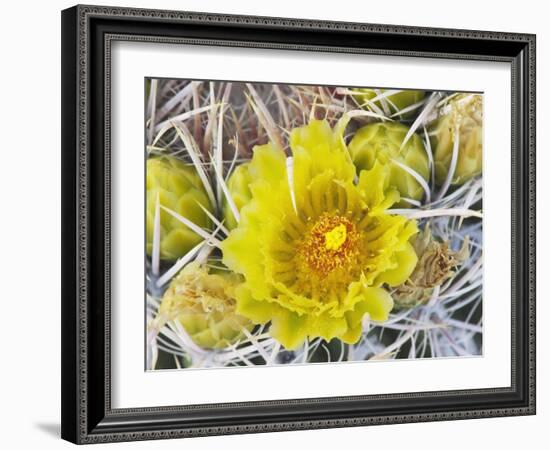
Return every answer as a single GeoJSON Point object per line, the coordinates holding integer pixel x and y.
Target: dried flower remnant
{"type": "Point", "coordinates": [461, 124]}
{"type": "Point", "coordinates": [383, 142]}
{"type": "Point", "coordinates": [204, 304]}
{"type": "Point", "coordinates": [436, 264]}
{"type": "Point", "coordinates": [316, 253]}
{"type": "Point", "coordinates": [177, 187]}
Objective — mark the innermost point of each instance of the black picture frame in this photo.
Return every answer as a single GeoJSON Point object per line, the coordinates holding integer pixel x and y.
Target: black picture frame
{"type": "Point", "coordinates": [87, 33]}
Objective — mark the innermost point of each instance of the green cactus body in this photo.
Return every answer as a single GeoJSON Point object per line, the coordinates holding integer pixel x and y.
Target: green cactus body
{"type": "Point", "coordinates": [178, 188]}
{"type": "Point", "coordinates": [392, 103]}
{"type": "Point", "coordinates": [463, 114]}
{"type": "Point", "coordinates": [382, 142]}
{"type": "Point", "coordinates": [204, 304]}
{"type": "Point", "coordinates": [238, 185]}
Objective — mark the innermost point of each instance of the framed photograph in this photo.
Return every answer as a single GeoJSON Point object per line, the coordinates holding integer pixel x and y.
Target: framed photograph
{"type": "Point", "coordinates": [281, 224]}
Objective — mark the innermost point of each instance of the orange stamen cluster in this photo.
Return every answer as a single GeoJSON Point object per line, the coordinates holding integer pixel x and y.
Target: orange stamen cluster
{"type": "Point", "coordinates": [318, 252]}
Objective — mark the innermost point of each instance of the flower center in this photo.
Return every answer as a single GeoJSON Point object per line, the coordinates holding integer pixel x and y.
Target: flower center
{"type": "Point", "coordinates": [331, 243]}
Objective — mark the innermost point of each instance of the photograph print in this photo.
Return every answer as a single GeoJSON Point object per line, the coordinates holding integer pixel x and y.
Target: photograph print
{"type": "Point", "coordinates": [299, 224]}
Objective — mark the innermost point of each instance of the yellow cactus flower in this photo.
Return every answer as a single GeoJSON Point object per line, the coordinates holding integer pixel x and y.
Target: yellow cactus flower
{"type": "Point", "coordinates": [382, 142]}
{"type": "Point", "coordinates": [463, 120]}
{"type": "Point", "coordinates": [178, 188]}
{"type": "Point", "coordinates": [315, 246]}
{"type": "Point", "coordinates": [238, 185]}
{"type": "Point", "coordinates": [204, 304]}
{"type": "Point", "coordinates": [391, 103]}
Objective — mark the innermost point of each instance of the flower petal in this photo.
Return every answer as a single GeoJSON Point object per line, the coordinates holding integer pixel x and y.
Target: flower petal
{"type": "Point", "coordinates": [257, 311]}
{"type": "Point", "coordinates": [378, 303]}
{"type": "Point", "coordinates": [374, 184]}
{"type": "Point", "coordinates": [405, 263]}
{"type": "Point", "coordinates": [289, 328]}
{"type": "Point", "coordinates": [268, 164]}
{"type": "Point", "coordinates": [240, 253]}
{"type": "Point", "coordinates": [316, 148]}
{"type": "Point", "coordinates": [374, 301]}
{"type": "Point", "coordinates": [328, 327]}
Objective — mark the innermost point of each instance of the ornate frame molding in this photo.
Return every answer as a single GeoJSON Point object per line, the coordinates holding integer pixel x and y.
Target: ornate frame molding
{"type": "Point", "coordinates": [84, 421]}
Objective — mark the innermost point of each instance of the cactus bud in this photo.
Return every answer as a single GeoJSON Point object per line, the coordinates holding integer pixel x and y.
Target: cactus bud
{"type": "Point", "coordinates": [178, 188]}
{"type": "Point", "coordinates": [461, 120]}
{"type": "Point", "coordinates": [204, 304]}
{"type": "Point", "coordinates": [382, 142]}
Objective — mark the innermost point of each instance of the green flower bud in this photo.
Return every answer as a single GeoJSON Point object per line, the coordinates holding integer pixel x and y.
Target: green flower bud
{"type": "Point", "coordinates": [464, 113]}
{"type": "Point", "coordinates": [382, 142]}
{"type": "Point", "coordinates": [238, 185]}
{"type": "Point", "coordinates": [394, 102]}
{"type": "Point", "coordinates": [436, 264]}
{"type": "Point", "coordinates": [204, 304]}
{"type": "Point", "coordinates": [178, 188]}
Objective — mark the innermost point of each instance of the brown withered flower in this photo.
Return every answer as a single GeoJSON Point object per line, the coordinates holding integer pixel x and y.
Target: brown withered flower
{"type": "Point", "coordinates": [436, 264]}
